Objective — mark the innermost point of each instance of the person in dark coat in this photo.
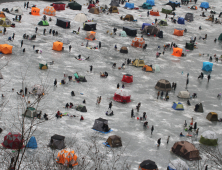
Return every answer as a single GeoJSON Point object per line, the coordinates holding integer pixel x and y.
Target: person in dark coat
{"type": "Point", "coordinates": [72, 93]}
{"type": "Point", "coordinates": [27, 4]}
{"type": "Point", "coordinates": [55, 82]}
{"type": "Point", "coordinates": [91, 68]}
{"type": "Point", "coordinates": [110, 105]}
{"type": "Point", "coordinates": [26, 90]}
{"type": "Point", "coordinates": [118, 86]}
{"type": "Point", "coordinates": [159, 142]}
{"type": "Point", "coordinates": [36, 29]}
{"type": "Point", "coordinates": [100, 44]}
{"type": "Point", "coordinates": [50, 31]}
{"type": "Point", "coordinates": [13, 36]}
{"type": "Point", "coordinates": [148, 13]}
{"type": "Point", "coordinates": [132, 113]}
{"type": "Point", "coordinates": [84, 101]}
{"type": "Point", "coordinates": [208, 77]}
{"type": "Point", "coordinates": [152, 129]}
{"type": "Point", "coordinates": [161, 94]}
{"type": "Point", "coordinates": [195, 126]}
{"type": "Point", "coordinates": [20, 17]}
{"type": "Point", "coordinates": [53, 32]}
{"type": "Point", "coordinates": [23, 50]}
{"type": "Point", "coordinates": [24, 4]}
{"type": "Point", "coordinates": [21, 43]}
{"type": "Point", "coordinates": [70, 47]}
{"type": "Point", "coordinates": [144, 115]}
{"type": "Point", "coordinates": [44, 31]}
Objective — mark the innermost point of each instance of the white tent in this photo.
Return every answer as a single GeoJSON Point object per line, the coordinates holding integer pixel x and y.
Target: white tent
{"type": "Point", "coordinates": [16, 11]}
{"type": "Point", "coordinates": [80, 18]}
{"type": "Point", "coordinates": [66, 41]}
{"type": "Point", "coordinates": [184, 95]}
{"type": "Point", "coordinates": [178, 164]}
{"type": "Point", "coordinates": [209, 135]}
{"type": "Point", "coordinates": [157, 68]}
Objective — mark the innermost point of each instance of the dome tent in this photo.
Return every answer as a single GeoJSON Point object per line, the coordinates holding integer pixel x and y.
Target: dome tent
{"type": "Point", "coordinates": [189, 17]}
{"type": "Point", "coordinates": [204, 5]}
{"type": "Point", "coordinates": [80, 18]}
{"type": "Point", "coordinates": [189, 46]}
{"type": "Point", "coordinates": [57, 142]}
{"type": "Point", "coordinates": [16, 11]}
{"type": "Point", "coordinates": [90, 35]}
{"type": "Point", "coordinates": [163, 85]}
{"type": "Point", "coordinates": [152, 30]}
{"type": "Point", "coordinates": [122, 96]}
{"type": "Point", "coordinates": [114, 141]}
{"type": "Point", "coordinates": [67, 157]}
{"type": "Point", "coordinates": [146, 6]}
{"type": "Point", "coordinates": [207, 66]}
{"type": "Point", "coordinates": [43, 23]}
{"type": "Point", "coordinates": [61, 22]}
{"type": "Point", "coordinates": [147, 68]}
{"type": "Point", "coordinates": [162, 22]}
{"type": "Point", "coordinates": [209, 138]}
{"type": "Point", "coordinates": [166, 11]}
{"type": "Point", "coordinates": [128, 17]}
{"type": "Point", "coordinates": [148, 165]}
{"type": "Point", "coordinates": [212, 116]}
{"type": "Point", "coordinates": [5, 22]}
{"type": "Point", "coordinates": [145, 24]}
{"type": "Point", "coordinates": [129, 5]}
{"type": "Point", "coordinates": [13, 141]}
{"type": "Point", "coordinates": [101, 125]}
{"type": "Point", "coordinates": [154, 12]}
{"type": "Point", "coordinates": [138, 63]}
{"type": "Point", "coordinates": [49, 10]}
{"type": "Point", "coordinates": [220, 37]}
{"type": "Point", "coordinates": [90, 26]}
{"type": "Point", "coordinates": [127, 78]}
{"type": "Point", "coordinates": [94, 10]}
{"type": "Point", "coordinates": [123, 50]}
{"type": "Point", "coordinates": [138, 42]}
{"type": "Point", "coordinates": [6, 49]}
{"type": "Point", "coordinates": [59, 6]}
{"type": "Point", "coordinates": [177, 106]}
{"type": "Point", "coordinates": [32, 143]}
{"type": "Point", "coordinates": [177, 52]}
{"type": "Point", "coordinates": [57, 46]}
{"type": "Point", "coordinates": [74, 6]}
{"type": "Point", "coordinates": [81, 108]}
{"type": "Point", "coordinates": [184, 95]}
{"type": "Point", "coordinates": [151, 2]}
{"type": "Point", "coordinates": [113, 9]}
{"type": "Point", "coordinates": [114, 3]}
{"type": "Point", "coordinates": [181, 20]}
{"type": "Point", "coordinates": [130, 31]}
{"type": "Point", "coordinates": [123, 34]}
{"type": "Point", "coordinates": [199, 108]}
{"type": "Point", "coordinates": [35, 11]}
{"type": "Point", "coordinates": [43, 65]}
{"type": "Point", "coordinates": [30, 112]}
{"type": "Point", "coordinates": [178, 164]}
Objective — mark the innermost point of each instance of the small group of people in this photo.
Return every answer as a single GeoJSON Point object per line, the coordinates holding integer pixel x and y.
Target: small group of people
{"type": "Point", "coordinates": [69, 105]}
{"type": "Point", "coordinates": [109, 114]}
{"type": "Point", "coordinates": [161, 95]}
{"type": "Point", "coordinates": [174, 86]}
{"type": "Point", "coordinates": [138, 107]}
{"type": "Point", "coordinates": [45, 116]}
{"type": "Point", "coordinates": [105, 74]}
{"type": "Point", "coordinates": [98, 101]}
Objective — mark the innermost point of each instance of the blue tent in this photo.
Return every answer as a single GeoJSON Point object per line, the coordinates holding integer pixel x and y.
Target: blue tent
{"type": "Point", "coordinates": [32, 143]}
{"type": "Point", "coordinates": [204, 5]}
{"type": "Point", "coordinates": [177, 106]}
{"type": "Point", "coordinates": [146, 6]}
{"type": "Point", "coordinates": [151, 2]}
{"type": "Point", "coordinates": [207, 66]}
{"type": "Point", "coordinates": [145, 24]}
{"type": "Point", "coordinates": [129, 5]}
{"type": "Point", "coordinates": [181, 20]}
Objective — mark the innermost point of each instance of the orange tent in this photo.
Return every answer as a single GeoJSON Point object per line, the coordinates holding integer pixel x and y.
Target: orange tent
{"type": "Point", "coordinates": [49, 10]}
{"type": "Point", "coordinates": [178, 32]}
{"type": "Point", "coordinates": [6, 49]}
{"type": "Point", "coordinates": [57, 46]}
{"type": "Point", "coordinates": [67, 158]}
{"type": "Point", "coordinates": [2, 14]}
{"type": "Point", "coordinates": [35, 11]}
{"type": "Point", "coordinates": [90, 35]}
{"type": "Point", "coordinates": [154, 13]}
{"type": "Point", "coordinates": [138, 42]}
{"type": "Point", "coordinates": [177, 52]}
{"type": "Point", "coordinates": [147, 68]}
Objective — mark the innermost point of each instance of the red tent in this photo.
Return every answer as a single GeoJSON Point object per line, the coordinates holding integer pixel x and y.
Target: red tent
{"type": "Point", "coordinates": [122, 96]}
{"type": "Point", "coordinates": [127, 78]}
{"type": "Point", "coordinates": [13, 141]}
{"type": "Point", "coordinates": [91, 5]}
{"type": "Point", "coordinates": [59, 6]}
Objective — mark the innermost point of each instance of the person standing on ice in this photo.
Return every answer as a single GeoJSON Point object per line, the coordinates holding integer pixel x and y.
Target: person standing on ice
{"type": "Point", "coordinates": [70, 47]}
{"type": "Point", "coordinates": [44, 31]}
{"type": "Point", "coordinates": [110, 105]}
{"type": "Point", "coordinates": [36, 29]}
{"type": "Point", "coordinates": [161, 95]}
{"type": "Point", "coordinates": [21, 43]}
{"type": "Point", "coordinates": [100, 44]}
{"type": "Point", "coordinates": [159, 142]}
{"type": "Point", "coordinates": [24, 4]}
{"type": "Point", "coordinates": [132, 113]}
{"type": "Point", "coordinates": [175, 85]}
{"type": "Point", "coordinates": [208, 77]}
{"type": "Point", "coordinates": [55, 82]}
{"type": "Point", "coordinates": [91, 68]}
{"type": "Point", "coordinates": [148, 13]}
{"type": "Point", "coordinates": [168, 138]}
{"type": "Point", "coordinates": [118, 86]}
{"type": "Point", "coordinates": [50, 31]}
{"type": "Point", "coordinates": [27, 4]}
{"type": "Point", "coordinates": [152, 129]}
{"type": "Point", "coordinates": [144, 115]}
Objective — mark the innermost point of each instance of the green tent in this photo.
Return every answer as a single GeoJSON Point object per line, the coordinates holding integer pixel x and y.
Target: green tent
{"type": "Point", "coordinates": [43, 65]}
{"type": "Point", "coordinates": [146, 6]}
{"type": "Point", "coordinates": [75, 6]}
{"type": "Point", "coordinates": [220, 37]}
{"type": "Point", "coordinates": [43, 23]}
{"type": "Point", "coordinates": [166, 11]}
{"type": "Point", "coordinates": [163, 22]}
{"type": "Point", "coordinates": [81, 108]}
{"type": "Point", "coordinates": [189, 46]}
{"type": "Point", "coordinates": [208, 138]}
{"type": "Point", "coordinates": [123, 34]}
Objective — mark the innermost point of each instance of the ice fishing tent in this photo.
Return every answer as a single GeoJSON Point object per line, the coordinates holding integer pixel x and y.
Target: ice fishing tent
{"type": "Point", "coordinates": [157, 68]}
{"type": "Point", "coordinates": [74, 6]}
{"type": "Point", "coordinates": [49, 10]}
{"type": "Point", "coordinates": [166, 11]}
{"type": "Point", "coordinates": [177, 106]}
{"type": "Point", "coordinates": [178, 32]}
{"type": "Point", "coordinates": [13, 141]}
{"type": "Point", "coordinates": [199, 108]}
{"type": "Point", "coordinates": [186, 150]}
{"type": "Point", "coordinates": [91, 6]}
{"type": "Point", "coordinates": [178, 164]}
{"type": "Point", "coordinates": [113, 9]}
{"type": "Point", "coordinates": [37, 89]}
{"type": "Point", "coordinates": [209, 138]}
{"type": "Point", "coordinates": [151, 2]}
{"type": "Point", "coordinates": [163, 85]}
{"type": "Point", "coordinates": [32, 143]}
{"type": "Point", "coordinates": [148, 165]}
{"type": "Point", "coordinates": [154, 12]}
{"type": "Point", "coordinates": [114, 141]}
{"type": "Point", "coordinates": [59, 6]}
{"type": "Point", "coordinates": [57, 46]}
{"type": "Point", "coordinates": [207, 66]}
{"type": "Point", "coordinates": [212, 116]}
{"type": "Point", "coordinates": [123, 34]}
{"type": "Point", "coordinates": [181, 20]}
{"type": "Point", "coordinates": [35, 11]}
{"type": "Point", "coordinates": [94, 10]}
{"type": "Point", "coordinates": [61, 22]}
{"type": "Point", "coordinates": [127, 78]}
{"type": "Point", "coordinates": [2, 15]}
{"type": "Point", "coordinates": [189, 17]}
{"type": "Point", "coordinates": [138, 63]}
{"type": "Point", "coordinates": [16, 11]}
{"type": "Point", "coordinates": [6, 49]}
{"type": "Point", "coordinates": [130, 31]}
{"type": "Point", "coordinates": [129, 5]}
{"type": "Point", "coordinates": [114, 3]}
{"type": "Point", "coordinates": [57, 142]}
{"type": "Point", "coordinates": [162, 22]}
{"type": "Point", "coordinates": [43, 65]}
{"type": "Point", "coordinates": [90, 26]}
{"type": "Point", "coordinates": [147, 68]}
{"type": "Point", "coordinates": [146, 6]}
{"type": "Point", "coordinates": [99, 125]}
{"type": "Point", "coordinates": [67, 158]}
{"type": "Point", "coordinates": [80, 78]}
{"type": "Point", "coordinates": [30, 112]}
{"type": "Point", "coordinates": [145, 24]}
{"type": "Point", "coordinates": [80, 18]}
{"type": "Point", "coordinates": [123, 50]}
{"type": "Point", "coordinates": [90, 35]}
{"type": "Point", "coordinates": [220, 37]}
{"type": "Point", "coordinates": [138, 42]}
{"type": "Point", "coordinates": [81, 108]}
{"type": "Point", "coordinates": [122, 96]}
{"type": "Point", "coordinates": [128, 17]}
{"type": "Point", "coordinates": [43, 23]}
{"type": "Point", "coordinates": [5, 22]}
{"type": "Point", "coordinates": [151, 30]}
{"type": "Point", "coordinates": [160, 34]}
{"type": "Point", "coordinates": [189, 46]}
{"type": "Point", "coordinates": [177, 52]}
{"type": "Point", "coordinates": [204, 5]}
{"type": "Point", "coordinates": [184, 95]}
